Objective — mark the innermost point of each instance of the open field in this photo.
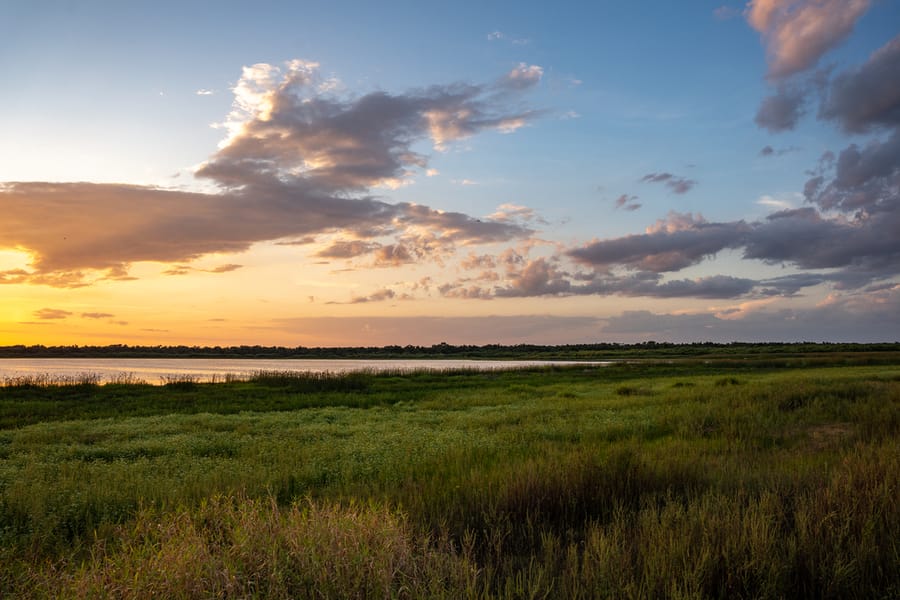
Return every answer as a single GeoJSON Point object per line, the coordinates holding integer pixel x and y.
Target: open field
{"type": "Point", "coordinates": [725, 478]}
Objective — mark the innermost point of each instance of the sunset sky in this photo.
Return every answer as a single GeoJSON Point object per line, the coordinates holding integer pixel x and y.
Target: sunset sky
{"type": "Point", "coordinates": [368, 173]}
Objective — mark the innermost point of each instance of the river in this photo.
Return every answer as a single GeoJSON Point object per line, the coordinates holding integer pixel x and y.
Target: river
{"type": "Point", "coordinates": [159, 370]}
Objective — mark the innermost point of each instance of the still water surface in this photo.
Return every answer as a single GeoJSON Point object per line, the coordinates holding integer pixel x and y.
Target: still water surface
{"type": "Point", "coordinates": [156, 370]}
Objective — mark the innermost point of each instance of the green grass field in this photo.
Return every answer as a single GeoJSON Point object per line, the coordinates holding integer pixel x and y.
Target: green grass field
{"type": "Point", "coordinates": [703, 479]}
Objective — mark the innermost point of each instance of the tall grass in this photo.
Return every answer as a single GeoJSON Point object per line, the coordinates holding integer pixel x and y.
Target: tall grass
{"type": "Point", "coordinates": [243, 548]}
{"type": "Point", "coordinates": [670, 481]}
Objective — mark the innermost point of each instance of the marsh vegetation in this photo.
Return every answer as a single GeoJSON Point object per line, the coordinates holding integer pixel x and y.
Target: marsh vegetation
{"type": "Point", "coordinates": [700, 479]}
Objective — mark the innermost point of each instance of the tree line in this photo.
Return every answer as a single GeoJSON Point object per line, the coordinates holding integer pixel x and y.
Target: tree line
{"type": "Point", "coordinates": [593, 351]}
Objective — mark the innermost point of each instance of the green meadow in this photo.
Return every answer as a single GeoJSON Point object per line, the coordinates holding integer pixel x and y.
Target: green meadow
{"type": "Point", "coordinates": [737, 478]}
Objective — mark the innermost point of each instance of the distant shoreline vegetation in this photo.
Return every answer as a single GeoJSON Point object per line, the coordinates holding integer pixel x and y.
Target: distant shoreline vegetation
{"type": "Point", "coordinates": [595, 351]}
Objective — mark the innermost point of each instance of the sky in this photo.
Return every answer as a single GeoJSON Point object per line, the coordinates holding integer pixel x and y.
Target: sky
{"type": "Point", "coordinates": [351, 173]}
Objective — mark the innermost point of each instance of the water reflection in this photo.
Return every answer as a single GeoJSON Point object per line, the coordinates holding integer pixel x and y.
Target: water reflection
{"type": "Point", "coordinates": [158, 370]}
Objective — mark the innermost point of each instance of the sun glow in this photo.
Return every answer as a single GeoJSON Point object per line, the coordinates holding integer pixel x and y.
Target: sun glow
{"type": "Point", "coordinates": [14, 259]}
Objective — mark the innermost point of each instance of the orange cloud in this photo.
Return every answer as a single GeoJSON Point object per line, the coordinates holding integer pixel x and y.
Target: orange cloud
{"type": "Point", "coordinates": [798, 32]}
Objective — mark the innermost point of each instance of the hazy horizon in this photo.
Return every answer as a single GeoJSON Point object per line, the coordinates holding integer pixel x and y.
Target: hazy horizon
{"type": "Point", "coordinates": [350, 174]}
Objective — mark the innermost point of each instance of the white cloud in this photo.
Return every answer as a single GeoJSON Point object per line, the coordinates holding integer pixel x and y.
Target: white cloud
{"type": "Point", "coordinates": [771, 202]}
{"type": "Point", "coordinates": [524, 76]}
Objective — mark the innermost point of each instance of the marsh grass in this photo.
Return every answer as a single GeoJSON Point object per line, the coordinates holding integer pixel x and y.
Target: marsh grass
{"type": "Point", "coordinates": [700, 481]}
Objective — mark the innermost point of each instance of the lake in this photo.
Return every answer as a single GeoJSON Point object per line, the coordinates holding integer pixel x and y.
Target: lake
{"type": "Point", "coordinates": [157, 370]}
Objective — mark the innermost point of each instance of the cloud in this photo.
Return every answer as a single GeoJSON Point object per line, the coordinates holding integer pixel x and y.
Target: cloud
{"type": "Point", "coordinates": [871, 317]}
{"type": "Point", "coordinates": [298, 161]}
{"type": "Point", "coordinates": [51, 313]}
{"type": "Point", "coordinates": [864, 247]}
{"type": "Point", "coordinates": [864, 179]}
{"type": "Point", "coordinates": [539, 278]}
{"type": "Point", "coordinates": [393, 255]}
{"type": "Point", "coordinates": [97, 315]}
{"type": "Point", "coordinates": [204, 92]}
{"type": "Point", "coordinates": [427, 331]}
{"type": "Point", "coordinates": [14, 276]}
{"type": "Point", "coordinates": [782, 110]}
{"type": "Point", "coordinates": [770, 151]}
{"type": "Point", "coordinates": [496, 36]}
{"type": "Point", "coordinates": [796, 33]}
{"type": "Point", "coordinates": [178, 270]}
{"type": "Point", "coordinates": [869, 96]}
{"type": "Point", "coordinates": [378, 296]}
{"type": "Point", "coordinates": [627, 202]}
{"type": "Point", "coordinates": [669, 245]}
{"type": "Point", "coordinates": [725, 12]}
{"type": "Point", "coordinates": [678, 185]}
{"type": "Point", "coordinates": [460, 291]}
{"type": "Point", "coordinates": [846, 235]}
{"type": "Point", "coordinates": [766, 200]}
{"type": "Point", "coordinates": [348, 249]}
{"type": "Point", "coordinates": [523, 76]}
{"type": "Point", "coordinates": [802, 237]}
{"type": "Point", "coordinates": [227, 268]}
{"type": "Point", "coordinates": [187, 269]}
{"type": "Point", "coordinates": [483, 261]}
{"type": "Point", "coordinates": [510, 212]}
{"type": "Point", "coordinates": [545, 277]}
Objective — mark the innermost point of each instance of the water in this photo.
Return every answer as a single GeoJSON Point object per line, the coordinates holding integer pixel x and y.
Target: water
{"type": "Point", "coordinates": [157, 370]}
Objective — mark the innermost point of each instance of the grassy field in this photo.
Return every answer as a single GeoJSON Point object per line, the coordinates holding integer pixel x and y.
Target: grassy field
{"type": "Point", "coordinates": [696, 479]}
